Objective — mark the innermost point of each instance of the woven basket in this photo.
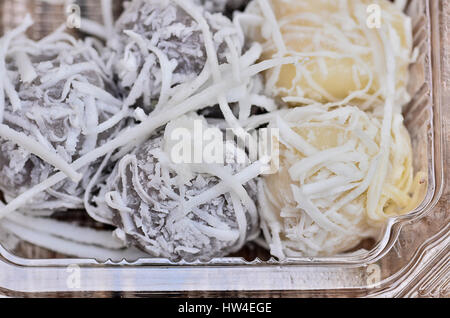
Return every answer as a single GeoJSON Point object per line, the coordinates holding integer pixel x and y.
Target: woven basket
{"type": "Point", "coordinates": [47, 16]}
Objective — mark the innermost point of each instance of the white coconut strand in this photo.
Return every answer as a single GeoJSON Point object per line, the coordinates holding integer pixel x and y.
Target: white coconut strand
{"type": "Point", "coordinates": [375, 189]}
{"type": "Point", "coordinates": [26, 69]}
{"type": "Point", "coordinates": [108, 16]}
{"type": "Point", "coordinates": [94, 28]}
{"type": "Point", "coordinates": [95, 212]}
{"type": "Point", "coordinates": [68, 231]}
{"type": "Point", "coordinates": [67, 247]}
{"type": "Point", "coordinates": [57, 36]}
{"type": "Point", "coordinates": [238, 189]}
{"type": "Point", "coordinates": [66, 72]}
{"type": "Point", "coordinates": [66, 197]}
{"type": "Point", "coordinates": [276, 33]}
{"type": "Point", "coordinates": [99, 93]}
{"type": "Point", "coordinates": [242, 177]}
{"type": "Point", "coordinates": [5, 86]}
{"type": "Point", "coordinates": [91, 121]}
{"type": "Point", "coordinates": [12, 94]}
{"type": "Point", "coordinates": [2, 98]}
{"type": "Point", "coordinates": [183, 91]}
{"type": "Point", "coordinates": [63, 237]}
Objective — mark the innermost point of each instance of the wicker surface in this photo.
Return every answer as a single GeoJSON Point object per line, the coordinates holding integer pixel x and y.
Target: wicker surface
{"type": "Point", "coordinates": [48, 17]}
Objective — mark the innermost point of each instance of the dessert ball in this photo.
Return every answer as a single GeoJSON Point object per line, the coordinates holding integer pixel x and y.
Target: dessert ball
{"type": "Point", "coordinates": [160, 45]}
{"type": "Point", "coordinates": [149, 197]}
{"type": "Point", "coordinates": [341, 50]}
{"type": "Point", "coordinates": [333, 189]}
{"type": "Point", "coordinates": [57, 96]}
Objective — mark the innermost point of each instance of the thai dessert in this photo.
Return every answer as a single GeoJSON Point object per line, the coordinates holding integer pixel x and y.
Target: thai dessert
{"type": "Point", "coordinates": [151, 126]}
{"type": "Point", "coordinates": [331, 192]}
{"type": "Point", "coordinates": [162, 44]}
{"type": "Point", "coordinates": [57, 99]}
{"type": "Point", "coordinates": [345, 46]}
{"type": "Point", "coordinates": [180, 210]}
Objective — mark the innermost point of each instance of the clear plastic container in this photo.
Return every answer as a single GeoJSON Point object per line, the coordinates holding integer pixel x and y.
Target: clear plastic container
{"type": "Point", "coordinates": [411, 259]}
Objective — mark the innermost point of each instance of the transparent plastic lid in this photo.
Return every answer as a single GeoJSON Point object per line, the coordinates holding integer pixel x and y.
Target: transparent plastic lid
{"type": "Point", "coordinates": [411, 259]}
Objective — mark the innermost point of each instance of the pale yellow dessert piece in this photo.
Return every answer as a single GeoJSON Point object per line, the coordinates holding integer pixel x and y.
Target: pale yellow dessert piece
{"type": "Point", "coordinates": [317, 202]}
{"type": "Point", "coordinates": [341, 56]}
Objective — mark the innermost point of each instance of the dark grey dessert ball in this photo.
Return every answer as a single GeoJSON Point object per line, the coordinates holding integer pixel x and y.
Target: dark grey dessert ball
{"type": "Point", "coordinates": [157, 38]}
{"type": "Point", "coordinates": [57, 113]}
{"type": "Point", "coordinates": [145, 198]}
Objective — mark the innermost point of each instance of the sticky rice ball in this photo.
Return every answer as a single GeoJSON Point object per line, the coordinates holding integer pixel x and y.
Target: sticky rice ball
{"type": "Point", "coordinates": [57, 95]}
{"type": "Point", "coordinates": [340, 56]}
{"type": "Point", "coordinates": [149, 198]}
{"type": "Point", "coordinates": [324, 199]}
{"type": "Point", "coordinates": [162, 45]}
